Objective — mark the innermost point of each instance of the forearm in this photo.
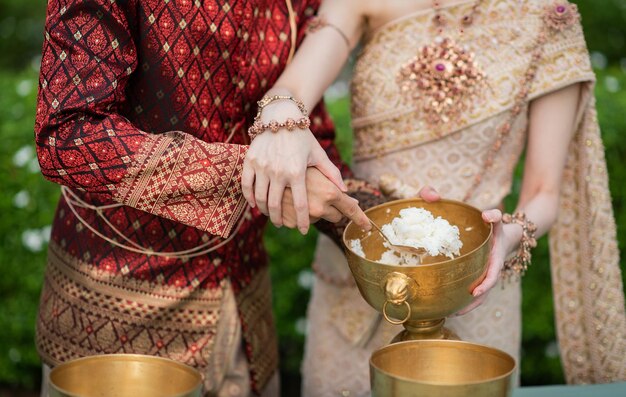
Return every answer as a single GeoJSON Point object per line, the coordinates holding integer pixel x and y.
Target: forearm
{"type": "Point", "coordinates": [315, 66]}
{"type": "Point", "coordinates": [551, 129]}
{"type": "Point", "coordinates": [322, 54]}
{"type": "Point", "coordinates": [541, 209]}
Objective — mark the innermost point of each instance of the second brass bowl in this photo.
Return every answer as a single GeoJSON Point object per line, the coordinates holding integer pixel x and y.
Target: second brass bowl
{"type": "Point", "coordinates": [442, 368]}
{"type": "Point", "coordinates": [124, 375]}
{"type": "Point", "coordinates": [420, 297]}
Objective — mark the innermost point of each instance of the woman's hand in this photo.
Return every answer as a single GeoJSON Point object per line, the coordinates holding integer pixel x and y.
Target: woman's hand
{"type": "Point", "coordinates": [505, 239]}
{"type": "Point", "coordinates": [279, 160]}
{"type": "Point", "coordinates": [503, 242]}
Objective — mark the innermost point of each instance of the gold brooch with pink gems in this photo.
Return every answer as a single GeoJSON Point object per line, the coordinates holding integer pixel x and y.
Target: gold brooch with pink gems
{"type": "Point", "coordinates": [443, 81]}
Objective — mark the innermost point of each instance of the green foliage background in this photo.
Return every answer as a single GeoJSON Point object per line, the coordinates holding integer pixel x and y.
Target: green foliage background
{"type": "Point", "coordinates": [27, 204]}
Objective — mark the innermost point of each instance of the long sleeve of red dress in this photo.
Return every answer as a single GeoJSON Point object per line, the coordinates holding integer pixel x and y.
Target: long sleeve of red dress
{"type": "Point", "coordinates": [84, 137]}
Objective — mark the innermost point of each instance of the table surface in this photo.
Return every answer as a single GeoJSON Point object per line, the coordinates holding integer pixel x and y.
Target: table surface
{"type": "Point", "coordinates": [605, 390]}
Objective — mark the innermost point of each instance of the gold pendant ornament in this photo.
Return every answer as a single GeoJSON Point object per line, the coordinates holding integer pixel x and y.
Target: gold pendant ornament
{"type": "Point", "coordinates": [561, 15]}
{"type": "Point", "coordinates": [443, 81]}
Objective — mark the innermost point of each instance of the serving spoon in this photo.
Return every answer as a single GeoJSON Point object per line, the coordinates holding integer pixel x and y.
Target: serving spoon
{"type": "Point", "coordinates": [406, 249]}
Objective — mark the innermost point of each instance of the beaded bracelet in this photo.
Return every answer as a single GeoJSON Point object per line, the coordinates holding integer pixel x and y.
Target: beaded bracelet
{"type": "Point", "coordinates": [517, 265]}
{"type": "Point", "coordinates": [259, 127]}
{"type": "Point", "coordinates": [290, 124]}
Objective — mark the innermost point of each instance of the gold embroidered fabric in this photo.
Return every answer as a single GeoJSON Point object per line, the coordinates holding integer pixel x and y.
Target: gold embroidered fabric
{"type": "Point", "coordinates": [391, 139]}
{"type": "Point", "coordinates": [255, 305]}
{"type": "Point", "coordinates": [502, 50]}
{"type": "Point", "coordinates": [83, 313]}
{"type": "Point", "coordinates": [88, 312]}
{"type": "Point", "coordinates": [187, 180]}
{"type": "Point", "coordinates": [586, 277]}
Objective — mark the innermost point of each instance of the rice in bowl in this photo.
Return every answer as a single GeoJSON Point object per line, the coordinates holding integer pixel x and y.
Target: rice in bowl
{"type": "Point", "coordinates": [418, 228]}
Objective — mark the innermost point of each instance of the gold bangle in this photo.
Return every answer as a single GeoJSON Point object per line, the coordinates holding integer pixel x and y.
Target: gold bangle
{"type": "Point", "coordinates": [516, 266]}
{"type": "Point", "coordinates": [318, 23]}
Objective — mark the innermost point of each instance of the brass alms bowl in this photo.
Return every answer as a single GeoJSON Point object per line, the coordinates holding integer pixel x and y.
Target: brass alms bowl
{"type": "Point", "coordinates": [420, 297]}
{"type": "Point", "coordinates": [443, 368]}
{"type": "Point", "coordinates": [124, 375]}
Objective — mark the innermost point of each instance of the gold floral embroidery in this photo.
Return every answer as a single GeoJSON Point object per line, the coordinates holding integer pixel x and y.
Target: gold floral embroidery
{"type": "Point", "coordinates": [442, 81]}
{"type": "Point", "coordinates": [561, 15]}
{"type": "Point", "coordinates": [190, 181]}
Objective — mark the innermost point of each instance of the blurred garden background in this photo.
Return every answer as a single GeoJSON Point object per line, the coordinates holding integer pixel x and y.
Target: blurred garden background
{"type": "Point", "coordinates": [27, 203]}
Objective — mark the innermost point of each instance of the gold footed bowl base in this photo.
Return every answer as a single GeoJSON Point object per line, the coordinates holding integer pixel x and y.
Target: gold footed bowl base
{"type": "Point", "coordinates": [425, 330]}
{"type": "Point", "coordinates": [445, 368]}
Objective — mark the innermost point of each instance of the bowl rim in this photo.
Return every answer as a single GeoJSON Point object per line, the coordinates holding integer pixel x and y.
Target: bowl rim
{"type": "Point", "coordinates": [446, 342]}
{"type": "Point", "coordinates": [123, 357]}
{"type": "Point", "coordinates": [418, 199]}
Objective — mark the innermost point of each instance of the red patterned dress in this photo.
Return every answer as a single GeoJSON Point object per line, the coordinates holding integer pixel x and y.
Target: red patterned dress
{"type": "Point", "coordinates": [142, 113]}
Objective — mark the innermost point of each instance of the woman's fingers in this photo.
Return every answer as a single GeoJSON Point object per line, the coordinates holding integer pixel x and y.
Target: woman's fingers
{"type": "Point", "coordinates": [429, 194]}
{"type": "Point", "coordinates": [496, 260]}
{"type": "Point", "coordinates": [349, 207]}
{"type": "Point", "coordinates": [274, 202]}
{"type": "Point", "coordinates": [475, 303]}
{"type": "Point", "coordinates": [492, 216]}
{"type": "Point", "coordinates": [261, 186]}
{"type": "Point", "coordinates": [496, 255]}
{"type": "Point", "coordinates": [278, 160]}
{"type": "Point", "coordinates": [321, 161]}
{"type": "Point", "coordinates": [301, 205]}
{"type": "Point", "coordinates": [247, 183]}
{"type": "Point", "coordinates": [491, 279]}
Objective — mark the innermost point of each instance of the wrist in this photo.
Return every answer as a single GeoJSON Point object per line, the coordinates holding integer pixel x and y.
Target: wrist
{"type": "Point", "coordinates": [280, 111]}
{"type": "Point", "coordinates": [294, 92]}
{"type": "Point", "coordinates": [278, 91]}
{"type": "Point", "coordinates": [517, 264]}
{"type": "Point", "coordinates": [513, 236]}
{"type": "Point", "coordinates": [290, 119]}
{"type": "Point", "coordinates": [280, 103]}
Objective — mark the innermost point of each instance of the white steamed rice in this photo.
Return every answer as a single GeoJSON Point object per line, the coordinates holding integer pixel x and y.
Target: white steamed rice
{"type": "Point", "coordinates": [416, 227]}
